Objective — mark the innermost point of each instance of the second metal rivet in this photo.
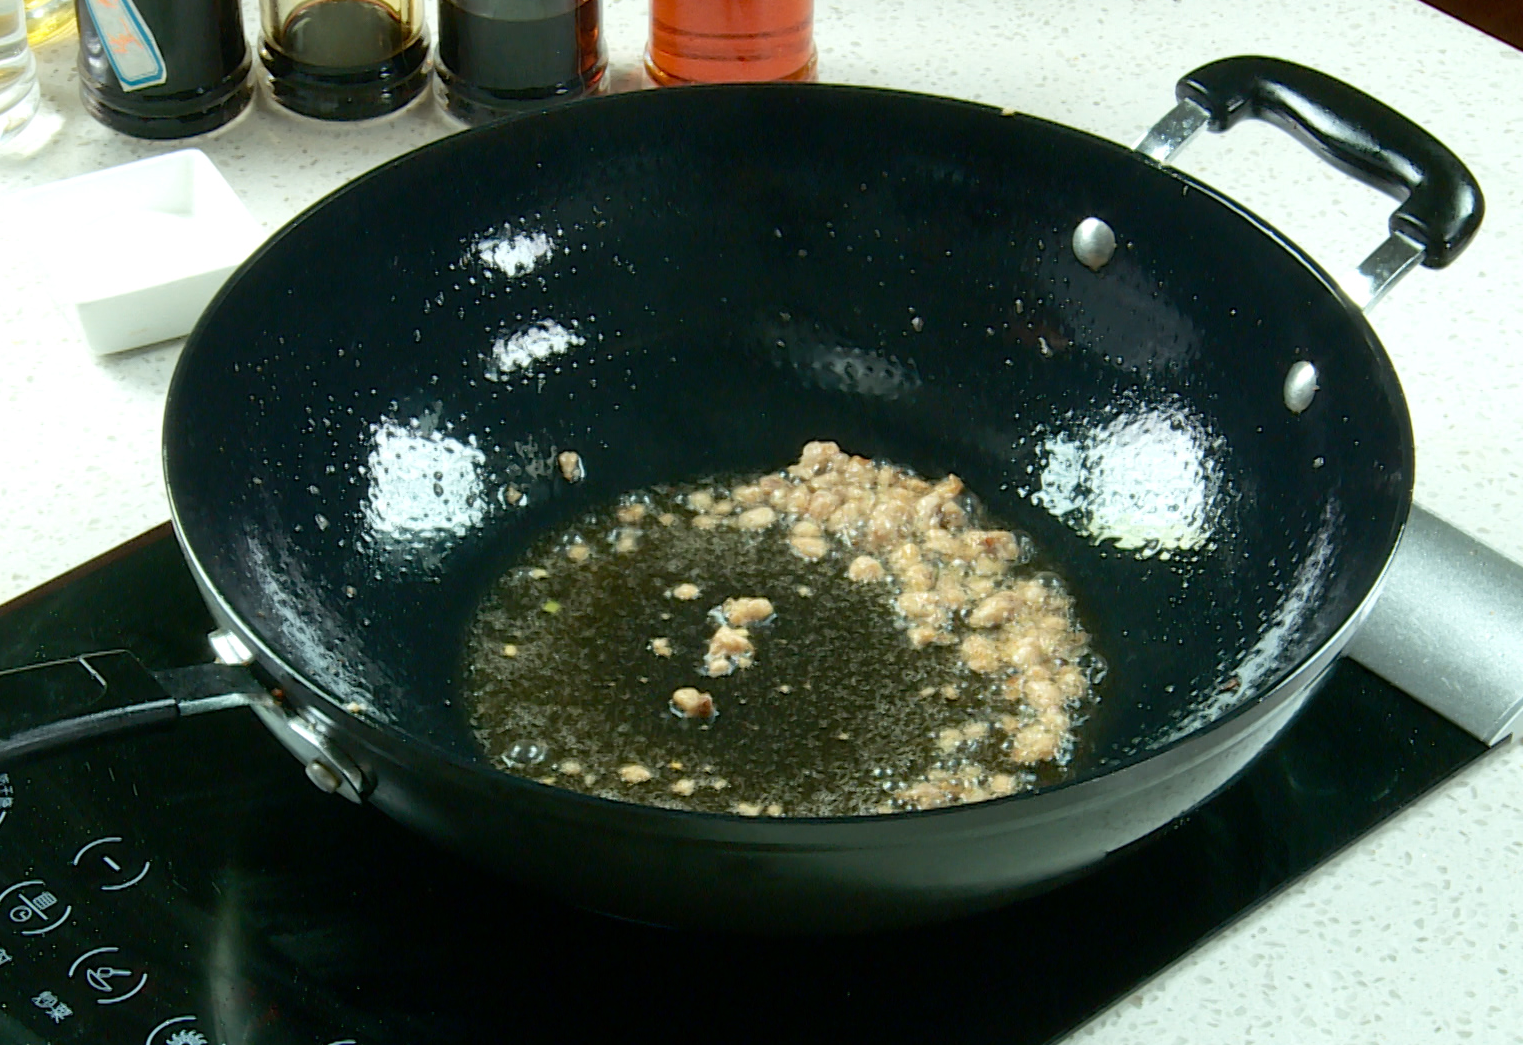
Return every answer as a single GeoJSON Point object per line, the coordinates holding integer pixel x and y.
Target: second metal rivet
{"type": "Point", "coordinates": [1094, 243]}
{"type": "Point", "coordinates": [1300, 386]}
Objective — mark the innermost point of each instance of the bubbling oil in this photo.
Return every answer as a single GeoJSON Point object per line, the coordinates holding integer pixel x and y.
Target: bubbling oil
{"type": "Point", "coordinates": [575, 655]}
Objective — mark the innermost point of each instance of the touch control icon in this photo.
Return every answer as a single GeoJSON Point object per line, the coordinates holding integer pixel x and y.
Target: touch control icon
{"type": "Point", "coordinates": [110, 864]}
{"type": "Point", "coordinates": [177, 1030]}
{"type": "Point", "coordinates": [102, 969]}
{"type": "Point", "coordinates": [32, 908]}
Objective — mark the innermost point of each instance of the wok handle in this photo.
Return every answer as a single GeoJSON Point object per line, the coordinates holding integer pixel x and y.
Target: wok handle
{"type": "Point", "coordinates": [1441, 204]}
{"type": "Point", "coordinates": [46, 706]}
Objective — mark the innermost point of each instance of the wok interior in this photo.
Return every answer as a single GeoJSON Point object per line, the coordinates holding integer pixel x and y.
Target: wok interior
{"type": "Point", "coordinates": [684, 283]}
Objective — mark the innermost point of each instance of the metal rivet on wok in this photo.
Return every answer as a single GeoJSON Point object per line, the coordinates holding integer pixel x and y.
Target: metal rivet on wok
{"type": "Point", "coordinates": [1300, 386]}
{"type": "Point", "coordinates": [322, 777]}
{"type": "Point", "coordinates": [1094, 243]}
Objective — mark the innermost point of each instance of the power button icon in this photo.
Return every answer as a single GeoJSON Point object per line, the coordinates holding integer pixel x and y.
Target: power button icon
{"type": "Point", "coordinates": [110, 864]}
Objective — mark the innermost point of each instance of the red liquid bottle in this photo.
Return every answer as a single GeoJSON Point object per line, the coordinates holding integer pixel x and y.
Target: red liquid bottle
{"type": "Point", "coordinates": [730, 41]}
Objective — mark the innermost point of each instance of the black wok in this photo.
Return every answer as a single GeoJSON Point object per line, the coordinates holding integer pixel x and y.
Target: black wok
{"type": "Point", "coordinates": [696, 281]}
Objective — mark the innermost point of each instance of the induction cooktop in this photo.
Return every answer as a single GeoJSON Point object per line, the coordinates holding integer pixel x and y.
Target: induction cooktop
{"type": "Point", "coordinates": [188, 886]}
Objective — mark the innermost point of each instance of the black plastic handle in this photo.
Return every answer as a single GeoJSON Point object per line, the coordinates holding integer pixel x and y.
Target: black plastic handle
{"type": "Point", "coordinates": [1441, 200]}
{"type": "Point", "coordinates": [46, 706]}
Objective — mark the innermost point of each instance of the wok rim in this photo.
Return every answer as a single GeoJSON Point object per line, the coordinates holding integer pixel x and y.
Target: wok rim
{"type": "Point", "coordinates": [1292, 680]}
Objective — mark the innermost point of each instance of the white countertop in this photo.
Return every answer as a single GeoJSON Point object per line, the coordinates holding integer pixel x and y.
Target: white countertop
{"type": "Point", "coordinates": [1415, 934]}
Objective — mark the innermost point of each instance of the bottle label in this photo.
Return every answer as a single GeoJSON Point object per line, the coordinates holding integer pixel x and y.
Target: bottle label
{"type": "Point", "coordinates": [130, 47]}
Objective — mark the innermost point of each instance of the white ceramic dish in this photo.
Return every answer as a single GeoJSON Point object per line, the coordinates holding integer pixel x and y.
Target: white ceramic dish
{"type": "Point", "coordinates": [134, 253]}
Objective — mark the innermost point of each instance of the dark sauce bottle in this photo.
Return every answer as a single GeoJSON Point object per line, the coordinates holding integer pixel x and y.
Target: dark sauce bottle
{"type": "Point", "coordinates": [498, 57]}
{"type": "Point", "coordinates": [171, 69]}
{"type": "Point", "coordinates": [344, 59]}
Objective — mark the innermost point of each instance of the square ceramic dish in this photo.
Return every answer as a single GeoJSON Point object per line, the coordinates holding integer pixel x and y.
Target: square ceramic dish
{"type": "Point", "coordinates": [134, 253]}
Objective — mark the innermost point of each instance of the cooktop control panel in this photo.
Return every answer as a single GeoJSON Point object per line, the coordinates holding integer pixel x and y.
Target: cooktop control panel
{"type": "Point", "coordinates": [121, 910]}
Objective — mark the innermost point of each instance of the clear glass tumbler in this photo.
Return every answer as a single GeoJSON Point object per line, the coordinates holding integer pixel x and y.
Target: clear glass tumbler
{"type": "Point", "coordinates": [19, 93]}
{"type": "Point", "coordinates": [46, 19]}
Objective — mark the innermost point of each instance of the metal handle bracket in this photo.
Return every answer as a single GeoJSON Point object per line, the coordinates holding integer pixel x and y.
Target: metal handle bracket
{"type": "Point", "coordinates": [1440, 201]}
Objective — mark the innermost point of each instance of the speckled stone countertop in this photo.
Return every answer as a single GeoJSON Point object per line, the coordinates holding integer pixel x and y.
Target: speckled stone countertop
{"type": "Point", "coordinates": [1411, 936]}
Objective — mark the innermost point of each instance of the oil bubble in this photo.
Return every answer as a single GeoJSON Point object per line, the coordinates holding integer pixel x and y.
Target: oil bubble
{"type": "Point", "coordinates": [525, 753]}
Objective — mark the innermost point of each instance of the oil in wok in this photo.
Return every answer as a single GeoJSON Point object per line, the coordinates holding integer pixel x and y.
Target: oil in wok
{"type": "Point", "coordinates": [845, 699]}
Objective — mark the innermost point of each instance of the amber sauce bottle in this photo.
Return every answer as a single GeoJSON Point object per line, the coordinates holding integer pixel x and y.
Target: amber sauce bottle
{"type": "Point", "coordinates": [730, 41]}
{"type": "Point", "coordinates": [344, 59]}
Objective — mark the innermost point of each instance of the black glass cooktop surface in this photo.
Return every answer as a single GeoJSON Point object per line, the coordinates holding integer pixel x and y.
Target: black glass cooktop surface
{"type": "Point", "coordinates": [187, 886]}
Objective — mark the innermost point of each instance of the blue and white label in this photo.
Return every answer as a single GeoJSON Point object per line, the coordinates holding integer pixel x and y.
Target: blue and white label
{"type": "Point", "coordinates": [130, 47]}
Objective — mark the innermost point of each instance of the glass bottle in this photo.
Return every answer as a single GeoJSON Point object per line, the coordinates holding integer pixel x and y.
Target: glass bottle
{"type": "Point", "coordinates": [344, 59]}
{"type": "Point", "coordinates": [46, 19]}
{"type": "Point", "coordinates": [730, 41]}
{"type": "Point", "coordinates": [497, 57]}
{"type": "Point", "coordinates": [19, 93]}
{"type": "Point", "coordinates": [163, 68]}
